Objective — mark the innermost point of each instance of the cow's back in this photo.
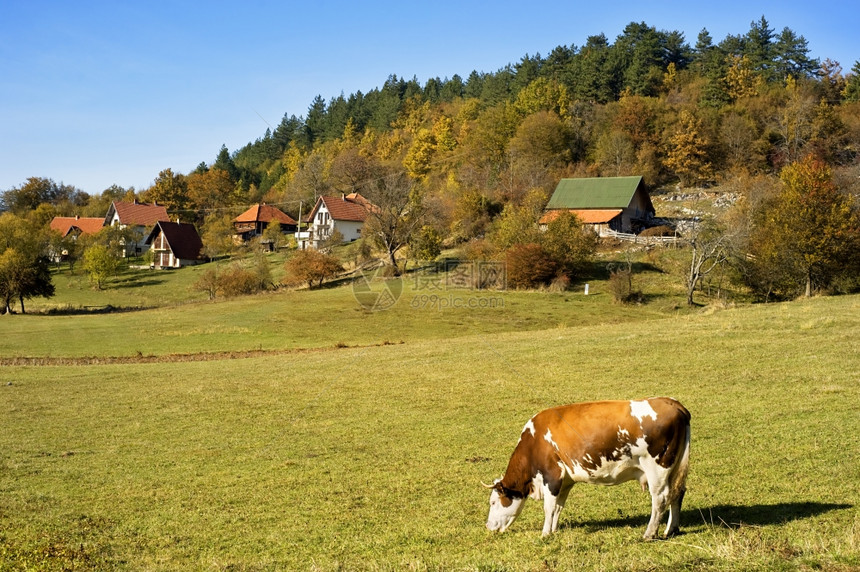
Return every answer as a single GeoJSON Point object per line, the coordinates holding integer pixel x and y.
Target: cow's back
{"type": "Point", "coordinates": [588, 435]}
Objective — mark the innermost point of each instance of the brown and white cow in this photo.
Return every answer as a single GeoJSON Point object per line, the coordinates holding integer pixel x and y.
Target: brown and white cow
{"type": "Point", "coordinates": [602, 442]}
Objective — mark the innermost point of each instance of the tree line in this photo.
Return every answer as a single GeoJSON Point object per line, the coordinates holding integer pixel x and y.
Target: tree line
{"type": "Point", "coordinates": [478, 149]}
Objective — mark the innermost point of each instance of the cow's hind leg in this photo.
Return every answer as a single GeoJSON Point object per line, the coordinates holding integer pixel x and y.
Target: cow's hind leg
{"type": "Point", "coordinates": [672, 526]}
{"type": "Point", "coordinates": [659, 504]}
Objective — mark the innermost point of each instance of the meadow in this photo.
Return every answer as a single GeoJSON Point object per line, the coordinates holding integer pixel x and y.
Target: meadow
{"type": "Point", "coordinates": [357, 441]}
{"type": "Point", "coordinates": [158, 313]}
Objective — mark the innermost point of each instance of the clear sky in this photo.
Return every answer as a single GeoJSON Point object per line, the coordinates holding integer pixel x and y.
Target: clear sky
{"type": "Point", "coordinates": [95, 93]}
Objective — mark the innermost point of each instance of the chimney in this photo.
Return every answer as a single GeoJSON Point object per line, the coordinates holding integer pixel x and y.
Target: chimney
{"type": "Point", "coordinates": [343, 196]}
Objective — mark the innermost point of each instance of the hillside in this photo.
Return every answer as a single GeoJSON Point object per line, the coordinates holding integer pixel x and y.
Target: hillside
{"type": "Point", "coordinates": [750, 121]}
{"type": "Point", "coordinates": [290, 319]}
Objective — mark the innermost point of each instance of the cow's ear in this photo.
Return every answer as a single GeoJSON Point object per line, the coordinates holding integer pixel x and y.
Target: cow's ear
{"type": "Point", "coordinates": [509, 493]}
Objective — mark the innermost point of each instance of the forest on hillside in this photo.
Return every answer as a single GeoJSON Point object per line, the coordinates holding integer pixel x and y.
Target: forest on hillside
{"type": "Point", "coordinates": [486, 151]}
{"type": "Point", "coordinates": [648, 104]}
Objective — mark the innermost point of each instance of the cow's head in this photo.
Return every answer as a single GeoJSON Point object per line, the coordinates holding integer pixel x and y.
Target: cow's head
{"type": "Point", "coordinates": [505, 506]}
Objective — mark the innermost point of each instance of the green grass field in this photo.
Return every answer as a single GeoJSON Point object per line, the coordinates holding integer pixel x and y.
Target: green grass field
{"type": "Point", "coordinates": [332, 449]}
{"type": "Point", "coordinates": [163, 316]}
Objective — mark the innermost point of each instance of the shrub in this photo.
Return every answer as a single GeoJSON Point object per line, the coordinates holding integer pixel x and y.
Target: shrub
{"type": "Point", "coordinates": [312, 266]}
{"type": "Point", "coordinates": [336, 238]}
{"type": "Point", "coordinates": [208, 282]}
{"type": "Point", "coordinates": [621, 287]}
{"type": "Point", "coordinates": [571, 246]}
{"type": "Point", "coordinates": [479, 249]}
{"type": "Point", "coordinates": [426, 244]}
{"type": "Point", "coordinates": [237, 281]}
{"type": "Point", "coordinates": [560, 283]}
{"type": "Point", "coordinates": [661, 230]}
{"type": "Point", "coordinates": [529, 265]}
{"type": "Point", "coordinates": [262, 272]}
{"type": "Point", "coordinates": [358, 252]}
{"type": "Point", "coordinates": [234, 281]}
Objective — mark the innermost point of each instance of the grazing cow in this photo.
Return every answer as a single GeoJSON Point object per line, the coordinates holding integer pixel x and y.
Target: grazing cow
{"type": "Point", "coordinates": [605, 443]}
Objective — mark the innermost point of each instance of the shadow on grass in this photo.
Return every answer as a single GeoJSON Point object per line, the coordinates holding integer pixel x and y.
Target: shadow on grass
{"type": "Point", "coordinates": [730, 516]}
{"type": "Point", "coordinates": [133, 283]}
{"type": "Point", "coordinates": [602, 270]}
{"type": "Point", "coordinates": [85, 310]}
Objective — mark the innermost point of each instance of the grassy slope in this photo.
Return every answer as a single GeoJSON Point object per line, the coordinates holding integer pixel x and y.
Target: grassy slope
{"type": "Point", "coordinates": [178, 322]}
{"type": "Point", "coordinates": [369, 458]}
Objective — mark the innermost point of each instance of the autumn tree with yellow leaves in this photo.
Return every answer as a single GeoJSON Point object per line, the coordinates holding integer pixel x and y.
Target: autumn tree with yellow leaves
{"type": "Point", "coordinates": [687, 155]}
{"type": "Point", "coordinates": [807, 236]}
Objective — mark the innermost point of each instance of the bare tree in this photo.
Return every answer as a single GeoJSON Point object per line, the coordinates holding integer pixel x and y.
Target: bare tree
{"type": "Point", "coordinates": [350, 169]}
{"type": "Point", "coordinates": [395, 214]}
{"type": "Point", "coordinates": [709, 249]}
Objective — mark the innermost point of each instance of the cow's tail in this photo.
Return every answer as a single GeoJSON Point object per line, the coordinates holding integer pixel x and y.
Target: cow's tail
{"type": "Point", "coordinates": [678, 479]}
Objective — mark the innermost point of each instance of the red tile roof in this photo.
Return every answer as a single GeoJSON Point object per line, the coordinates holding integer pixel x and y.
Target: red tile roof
{"type": "Point", "coordinates": [140, 214]}
{"type": "Point", "coordinates": [360, 200]}
{"type": "Point", "coordinates": [351, 207]}
{"type": "Point", "coordinates": [87, 225]}
{"type": "Point", "coordinates": [265, 213]}
{"type": "Point", "coordinates": [586, 216]}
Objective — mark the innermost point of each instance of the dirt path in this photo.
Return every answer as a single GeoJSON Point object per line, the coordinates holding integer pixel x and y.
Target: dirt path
{"type": "Point", "coordinates": [169, 358]}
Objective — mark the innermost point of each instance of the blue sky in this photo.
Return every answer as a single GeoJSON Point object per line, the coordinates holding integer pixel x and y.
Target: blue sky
{"type": "Point", "coordinates": [100, 93]}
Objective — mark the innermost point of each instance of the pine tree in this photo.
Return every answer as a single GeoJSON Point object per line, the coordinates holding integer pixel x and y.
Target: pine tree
{"type": "Point", "coordinates": [791, 57]}
{"type": "Point", "coordinates": [852, 86]}
{"type": "Point", "coordinates": [759, 48]}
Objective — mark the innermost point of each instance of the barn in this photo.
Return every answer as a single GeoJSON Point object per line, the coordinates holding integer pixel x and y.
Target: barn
{"type": "Point", "coordinates": [607, 204]}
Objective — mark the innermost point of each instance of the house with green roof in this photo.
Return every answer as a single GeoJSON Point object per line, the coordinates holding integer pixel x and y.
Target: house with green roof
{"type": "Point", "coordinates": [619, 204]}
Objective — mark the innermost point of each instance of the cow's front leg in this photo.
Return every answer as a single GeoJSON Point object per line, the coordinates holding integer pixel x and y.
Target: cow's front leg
{"type": "Point", "coordinates": [559, 503]}
{"type": "Point", "coordinates": [551, 510]}
{"type": "Point", "coordinates": [552, 506]}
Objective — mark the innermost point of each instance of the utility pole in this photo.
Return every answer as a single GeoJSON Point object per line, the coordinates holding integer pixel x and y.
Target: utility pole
{"type": "Point", "coordinates": [299, 233]}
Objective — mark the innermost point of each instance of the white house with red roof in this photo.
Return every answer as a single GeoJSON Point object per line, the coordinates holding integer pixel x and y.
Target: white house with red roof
{"type": "Point", "coordinates": [76, 225]}
{"type": "Point", "coordinates": [139, 216]}
{"type": "Point", "coordinates": [345, 214]}
{"type": "Point", "coordinates": [73, 227]}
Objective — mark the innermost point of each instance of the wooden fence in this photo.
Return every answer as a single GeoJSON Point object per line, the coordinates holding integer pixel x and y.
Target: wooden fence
{"type": "Point", "coordinates": [646, 240]}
